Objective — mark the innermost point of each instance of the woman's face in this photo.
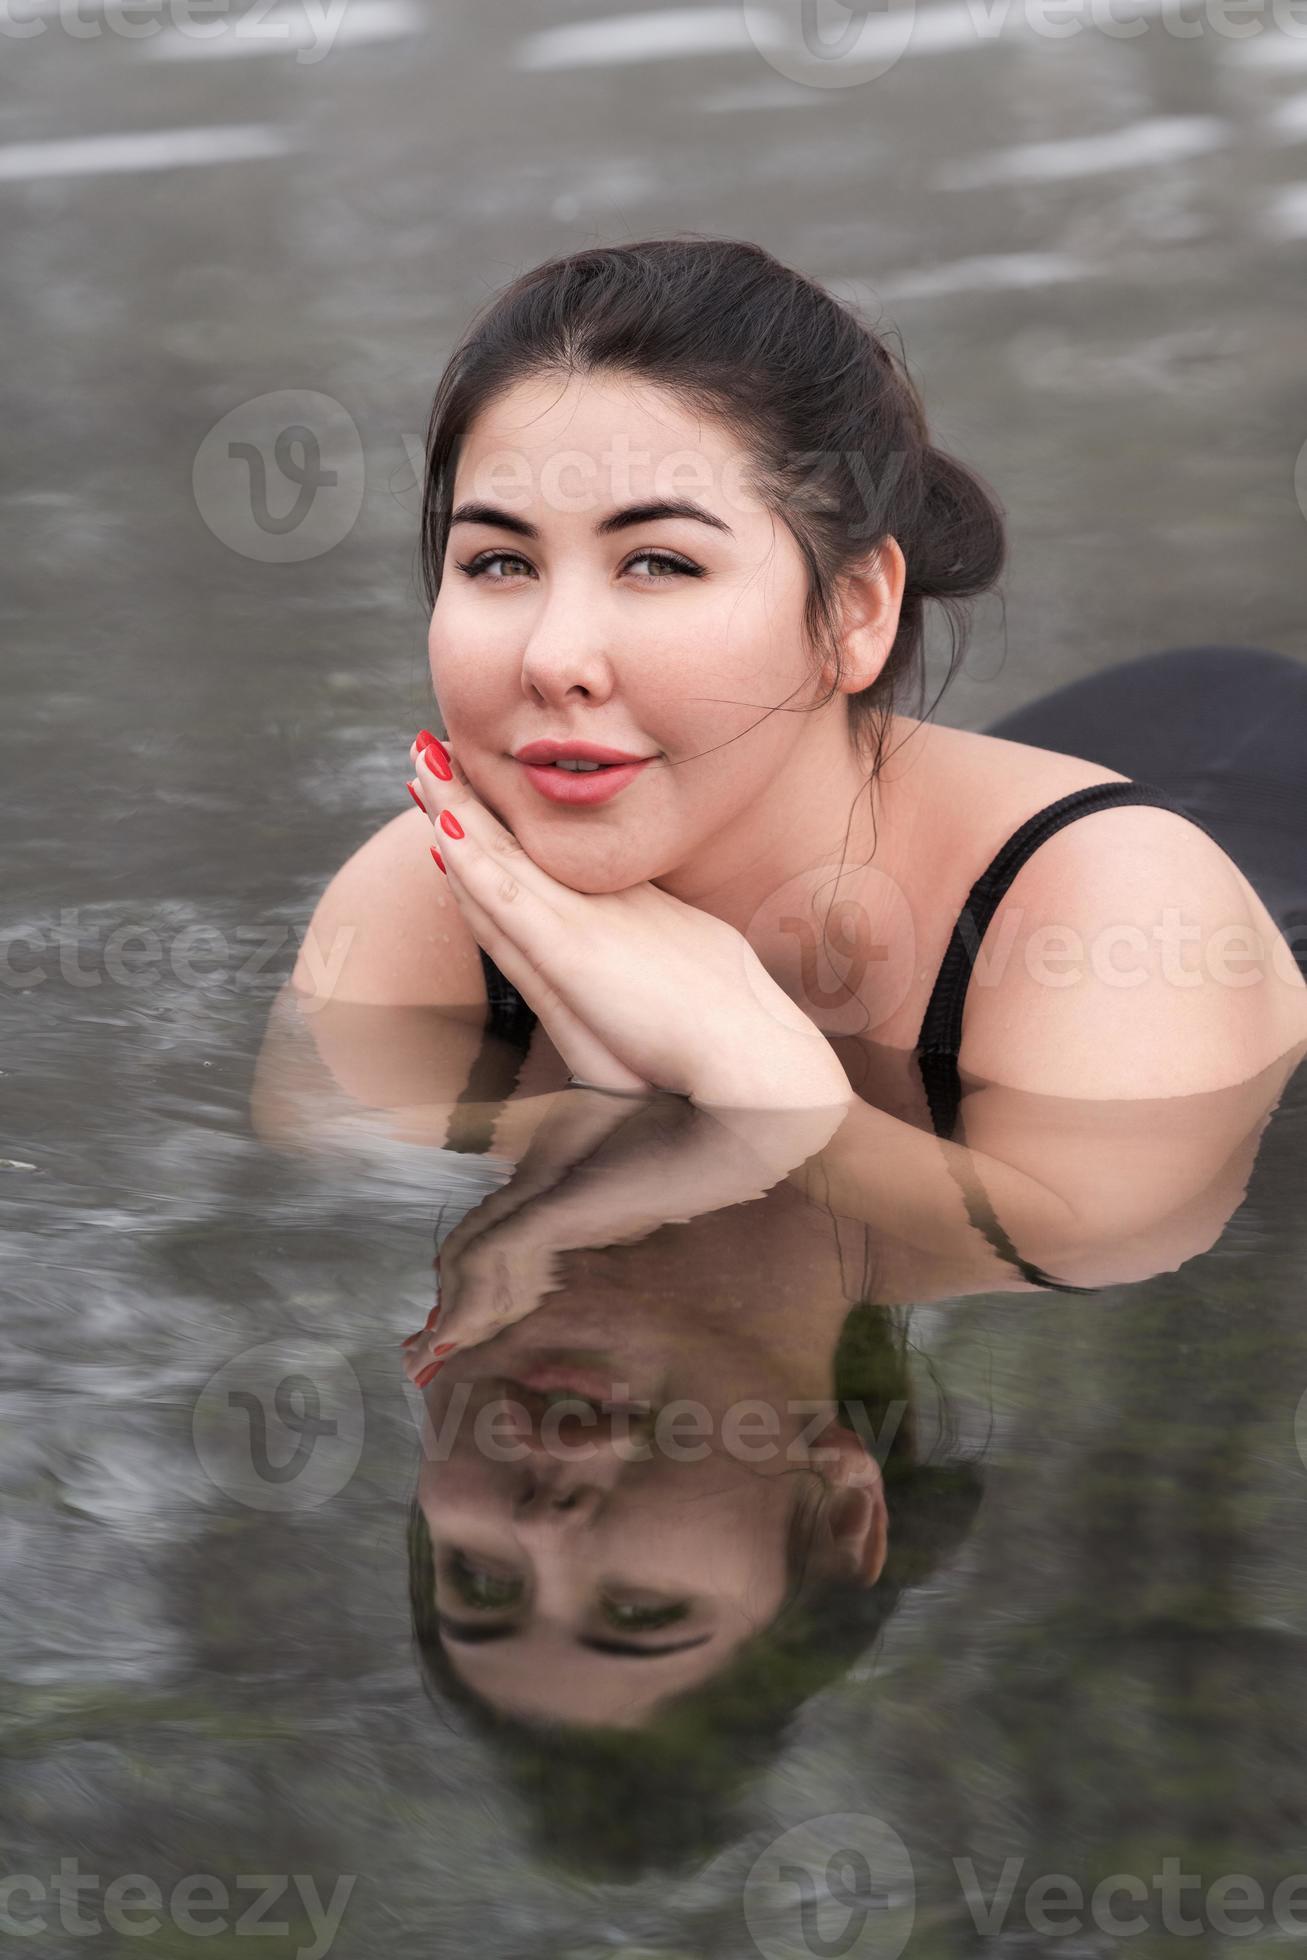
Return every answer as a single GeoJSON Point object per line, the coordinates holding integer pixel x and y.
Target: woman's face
{"type": "Point", "coordinates": [612, 1580]}
{"type": "Point", "coordinates": [665, 636]}
{"type": "Point", "coordinates": [588, 1568]}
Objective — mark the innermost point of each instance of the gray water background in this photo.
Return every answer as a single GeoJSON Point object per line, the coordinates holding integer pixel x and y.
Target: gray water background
{"type": "Point", "coordinates": [1094, 250]}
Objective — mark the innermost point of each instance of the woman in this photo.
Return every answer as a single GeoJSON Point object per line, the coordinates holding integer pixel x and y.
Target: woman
{"type": "Point", "coordinates": [682, 507]}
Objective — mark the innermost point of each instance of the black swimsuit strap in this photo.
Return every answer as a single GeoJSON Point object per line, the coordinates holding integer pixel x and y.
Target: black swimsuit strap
{"type": "Point", "coordinates": [941, 1028]}
{"type": "Point", "coordinates": [940, 1039]}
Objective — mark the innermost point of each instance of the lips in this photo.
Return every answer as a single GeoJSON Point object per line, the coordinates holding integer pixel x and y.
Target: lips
{"type": "Point", "coordinates": [551, 750]}
{"type": "Point", "coordinates": [592, 786]}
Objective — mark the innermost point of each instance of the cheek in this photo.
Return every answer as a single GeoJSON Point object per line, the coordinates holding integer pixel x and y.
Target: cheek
{"type": "Point", "coordinates": [465, 651]}
{"type": "Point", "coordinates": [473, 689]}
{"type": "Point", "coordinates": [480, 1463]}
{"type": "Point", "coordinates": [458, 1494]}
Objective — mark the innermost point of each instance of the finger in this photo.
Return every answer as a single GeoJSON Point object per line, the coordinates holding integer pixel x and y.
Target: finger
{"type": "Point", "coordinates": [577, 1123]}
{"type": "Point", "coordinates": [430, 748]}
{"type": "Point", "coordinates": [578, 1046]}
{"type": "Point", "coordinates": [497, 866]}
{"type": "Point", "coordinates": [513, 908]}
{"type": "Point", "coordinates": [495, 1284]}
{"type": "Point", "coordinates": [587, 1056]}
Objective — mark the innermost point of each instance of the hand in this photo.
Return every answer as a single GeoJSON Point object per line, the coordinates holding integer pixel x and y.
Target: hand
{"type": "Point", "coordinates": [602, 1171]}
{"type": "Point", "coordinates": [635, 982]}
{"type": "Point", "coordinates": [591, 1064]}
{"type": "Point", "coordinates": [496, 1265]}
{"type": "Point", "coordinates": [578, 1124]}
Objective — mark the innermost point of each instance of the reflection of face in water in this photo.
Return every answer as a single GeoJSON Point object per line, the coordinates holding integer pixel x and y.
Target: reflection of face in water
{"type": "Point", "coordinates": [590, 1564]}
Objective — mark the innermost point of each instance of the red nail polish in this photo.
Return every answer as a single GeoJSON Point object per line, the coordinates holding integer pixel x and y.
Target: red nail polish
{"type": "Point", "coordinates": [439, 860]}
{"type": "Point", "coordinates": [411, 1338]}
{"type": "Point", "coordinates": [434, 1366]}
{"type": "Point", "coordinates": [432, 1318]}
{"type": "Point", "coordinates": [450, 824]}
{"type": "Point", "coordinates": [416, 798]}
{"type": "Point", "coordinates": [436, 755]}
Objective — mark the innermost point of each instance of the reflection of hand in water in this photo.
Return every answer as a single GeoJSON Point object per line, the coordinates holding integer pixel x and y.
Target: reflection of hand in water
{"type": "Point", "coordinates": [498, 1262]}
{"type": "Point", "coordinates": [602, 1171]}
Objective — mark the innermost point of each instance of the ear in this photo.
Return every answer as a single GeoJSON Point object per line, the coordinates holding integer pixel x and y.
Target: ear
{"type": "Point", "coordinates": [871, 599]}
{"type": "Point", "coordinates": [855, 1525]}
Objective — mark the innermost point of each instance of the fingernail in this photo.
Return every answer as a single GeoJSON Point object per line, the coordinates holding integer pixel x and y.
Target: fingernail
{"type": "Point", "coordinates": [416, 798]}
{"type": "Point", "coordinates": [423, 1375]}
{"type": "Point", "coordinates": [437, 755]}
{"type": "Point", "coordinates": [439, 860]}
{"type": "Point", "coordinates": [412, 1338]}
{"type": "Point", "coordinates": [432, 1318]}
{"type": "Point", "coordinates": [450, 824]}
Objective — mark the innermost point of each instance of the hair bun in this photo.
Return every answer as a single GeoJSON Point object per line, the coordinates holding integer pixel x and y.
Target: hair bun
{"type": "Point", "coordinates": [961, 548]}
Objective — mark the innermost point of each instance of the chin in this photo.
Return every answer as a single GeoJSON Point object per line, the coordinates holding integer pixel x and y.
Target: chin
{"type": "Point", "coordinates": [593, 880]}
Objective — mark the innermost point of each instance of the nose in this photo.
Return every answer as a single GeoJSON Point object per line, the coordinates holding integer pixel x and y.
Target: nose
{"type": "Point", "coordinates": [562, 660]}
{"type": "Point", "coordinates": [552, 1495]}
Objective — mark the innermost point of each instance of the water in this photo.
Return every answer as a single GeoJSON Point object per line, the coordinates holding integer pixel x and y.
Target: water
{"type": "Point", "coordinates": [1092, 249]}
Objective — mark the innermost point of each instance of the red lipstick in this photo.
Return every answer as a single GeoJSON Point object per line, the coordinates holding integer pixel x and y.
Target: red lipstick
{"type": "Point", "coordinates": [618, 768]}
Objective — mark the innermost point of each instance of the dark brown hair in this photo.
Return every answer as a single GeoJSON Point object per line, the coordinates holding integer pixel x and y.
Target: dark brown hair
{"type": "Point", "coordinates": [832, 421]}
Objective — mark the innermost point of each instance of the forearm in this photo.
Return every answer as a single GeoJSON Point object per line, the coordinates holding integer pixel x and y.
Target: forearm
{"type": "Point", "coordinates": [669, 1163]}
{"type": "Point", "coordinates": [914, 1188]}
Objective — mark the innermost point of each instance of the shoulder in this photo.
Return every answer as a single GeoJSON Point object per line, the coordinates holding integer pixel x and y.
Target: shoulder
{"type": "Point", "coordinates": [387, 931]}
{"type": "Point", "coordinates": [1130, 958]}
{"type": "Point", "coordinates": [384, 1016]}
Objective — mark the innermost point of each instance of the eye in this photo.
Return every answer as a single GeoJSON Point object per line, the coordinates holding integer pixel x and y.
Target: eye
{"type": "Point", "coordinates": [643, 1619]}
{"type": "Point", "coordinates": [478, 1587]}
{"type": "Point", "coordinates": [478, 567]}
{"type": "Point", "coordinates": [668, 562]}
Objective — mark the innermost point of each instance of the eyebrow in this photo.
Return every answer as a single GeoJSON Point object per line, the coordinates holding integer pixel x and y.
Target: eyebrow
{"type": "Point", "coordinates": [470, 1634]}
{"type": "Point", "coordinates": [618, 520]}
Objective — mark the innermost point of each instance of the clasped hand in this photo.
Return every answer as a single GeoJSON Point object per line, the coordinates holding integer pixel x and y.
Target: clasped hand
{"type": "Point", "coordinates": [637, 990]}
